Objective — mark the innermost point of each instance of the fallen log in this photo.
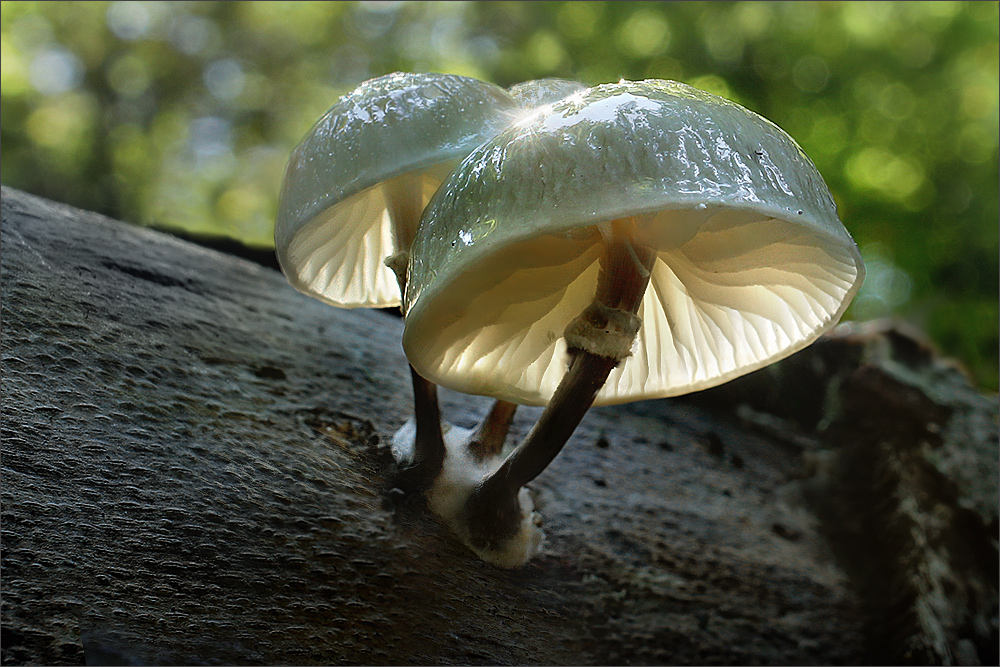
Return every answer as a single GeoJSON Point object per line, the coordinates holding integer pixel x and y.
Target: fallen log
{"type": "Point", "coordinates": [195, 471]}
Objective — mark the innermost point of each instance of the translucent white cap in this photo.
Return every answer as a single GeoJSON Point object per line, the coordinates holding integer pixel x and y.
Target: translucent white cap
{"type": "Point", "coordinates": [539, 92]}
{"type": "Point", "coordinates": [752, 262]}
{"type": "Point", "coordinates": [395, 136]}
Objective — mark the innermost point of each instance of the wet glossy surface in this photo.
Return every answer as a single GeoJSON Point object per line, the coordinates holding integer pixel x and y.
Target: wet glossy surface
{"type": "Point", "coordinates": [387, 126]}
{"type": "Point", "coordinates": [677, 156]}
{"type": "Point", "coordinates": [539, 92]}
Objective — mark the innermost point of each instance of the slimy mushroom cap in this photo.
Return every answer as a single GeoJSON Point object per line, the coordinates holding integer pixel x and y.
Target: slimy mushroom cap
{"type": "Point", "coordinates": [539, 92]}
{"type": "Point", "coordinates": [355, 186]}
{"type": "Point", "coordinates": [752, 262]}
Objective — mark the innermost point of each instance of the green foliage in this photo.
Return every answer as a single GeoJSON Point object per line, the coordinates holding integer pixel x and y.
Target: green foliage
{"type": "Point", "coordinates": [182, 114]}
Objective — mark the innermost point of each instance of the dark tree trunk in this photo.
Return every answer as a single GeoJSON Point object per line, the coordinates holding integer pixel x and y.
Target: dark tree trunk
{"type": "Point", "coordinates": [195, 464]}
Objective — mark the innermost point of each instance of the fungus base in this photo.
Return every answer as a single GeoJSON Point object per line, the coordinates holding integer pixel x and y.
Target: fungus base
{"type": "Point", "coordinates": [463, 472]}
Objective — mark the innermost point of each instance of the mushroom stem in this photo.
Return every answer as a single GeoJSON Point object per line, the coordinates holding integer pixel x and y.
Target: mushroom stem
{"type": "Point", "coordinates": [428, 441]}
{"type": "Point", "coordinates": [489, 438]}
{"type": "Point", "coordinates": [493, 513]}
{"type": "Point", "coordinates": [405, 204]}
{"type": "Point", "coordinates": [428, 446]}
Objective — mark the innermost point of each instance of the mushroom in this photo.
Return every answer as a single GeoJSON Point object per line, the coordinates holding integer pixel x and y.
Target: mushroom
{"type": "Point", "coordinates": [636, 240]}
{"type": "Point", "coordinates": [356, 186]}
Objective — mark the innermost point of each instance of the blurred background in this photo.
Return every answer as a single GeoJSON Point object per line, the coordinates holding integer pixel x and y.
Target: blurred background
{"type": "Point", "coordinates": [181, 115]}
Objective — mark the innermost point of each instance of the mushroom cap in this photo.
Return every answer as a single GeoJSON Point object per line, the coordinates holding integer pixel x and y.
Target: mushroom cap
{"type": "Point", "coordinates": [752, 261]}
{"type": "Point", "coordinates": [333, 228]}
{"type": "Point", "coordinates": [539, 92]}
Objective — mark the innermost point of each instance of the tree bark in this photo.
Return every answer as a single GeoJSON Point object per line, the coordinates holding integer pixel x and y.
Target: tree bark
{"type": "Point", "coordinates": [195, 471]}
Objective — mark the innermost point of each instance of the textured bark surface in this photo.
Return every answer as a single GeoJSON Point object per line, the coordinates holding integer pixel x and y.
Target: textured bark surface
{"type": "Point", "coordinates": [195, 472]}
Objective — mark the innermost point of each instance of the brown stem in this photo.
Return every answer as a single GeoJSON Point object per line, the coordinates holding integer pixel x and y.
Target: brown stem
{"type": "Point", "coordinates": [492, 432]}
{"type": "Point", "coordinates": [492, 512]}
{"type": "Point", "coordinates": [498, 515]}
{"type": "Point", "coordinates": [428, 447]}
